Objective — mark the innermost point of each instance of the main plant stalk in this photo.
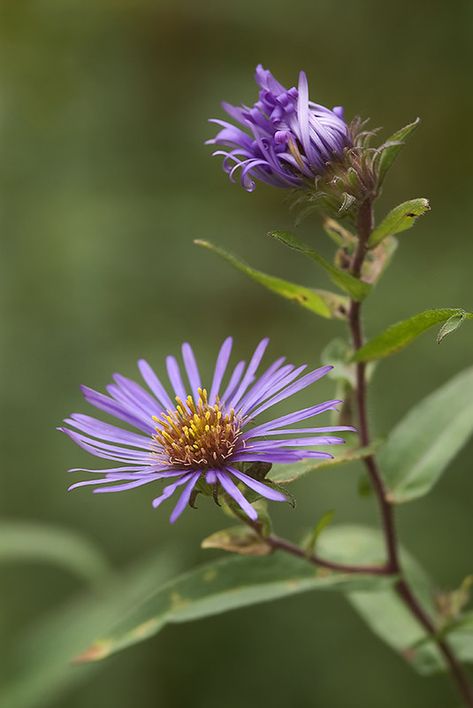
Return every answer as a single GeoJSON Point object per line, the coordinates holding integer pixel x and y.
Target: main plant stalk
{"type": "Point", "coordinates": [393, 565]}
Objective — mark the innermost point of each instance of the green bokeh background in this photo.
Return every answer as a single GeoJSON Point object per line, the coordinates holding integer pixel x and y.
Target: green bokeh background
{"type": "Point", "coordinates": [104, 184]}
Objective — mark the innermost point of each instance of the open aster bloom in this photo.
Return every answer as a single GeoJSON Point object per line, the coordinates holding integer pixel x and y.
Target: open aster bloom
{"type": "Point", "coordinates": [284, 138]}
{"type": "Point", "coordinates": [200, 441]}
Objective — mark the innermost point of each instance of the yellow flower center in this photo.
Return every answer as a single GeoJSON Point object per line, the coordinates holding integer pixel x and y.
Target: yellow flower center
{"type": "Point", "coordinates": [197, 434]}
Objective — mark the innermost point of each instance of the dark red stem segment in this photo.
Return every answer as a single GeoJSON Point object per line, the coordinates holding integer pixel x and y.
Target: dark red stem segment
{"type": "Point", "coordinates": [365, 226]}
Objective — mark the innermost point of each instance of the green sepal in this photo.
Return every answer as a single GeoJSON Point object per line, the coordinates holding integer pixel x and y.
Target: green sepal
{"type": "Point", "coordinates": [321, 302]}
{"type": "Point", "coordinates": [357, 289]}
{"type": "Point", "coordinates": [399, 219]}
{"type": "Point", "coordinates": [387, 153]}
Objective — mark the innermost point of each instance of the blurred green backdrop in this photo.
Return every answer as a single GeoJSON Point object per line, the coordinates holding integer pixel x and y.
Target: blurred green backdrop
{"type": "Point", "coordinates": [104, 183]}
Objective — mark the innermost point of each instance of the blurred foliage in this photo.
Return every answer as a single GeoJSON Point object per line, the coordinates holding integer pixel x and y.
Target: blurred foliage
{"type": "Point", "coordinates": [105, 182]}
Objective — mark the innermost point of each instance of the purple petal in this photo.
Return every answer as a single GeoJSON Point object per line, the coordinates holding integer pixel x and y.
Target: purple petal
{"type": "Point", "coordinates": [280, 456]}
{"type": "Point", "coordinates": [170, 489]}
{"type": "Point", "coordinates": [192, 369]}
{"type": "Point", "coordinates": [250, 372]}
{"type": "Point", "coordinates": [108, 405]}
{"type": "Point", "coordinates": [258, 487]}
{"type": "Point", "coordinates": [127, 485]}
{"type": "Point", "coordinates": [233, 491]}
{"type": "Point", "coordinates": [295, 417]}
{"type": "Point", "coordinates": [294, 442]}
{"type": "Point", "coordinates": [138, 395]}
{"type": "Point", "coordinates": [175, 378]}
{"type": "Point", "coordinates": [290, 431]}
{"type": "Point", "coordinates": [220, 368]}
{"type": "Point", "coordinates": [281, 379]}
{"type": "Point", "coordinates": [184, 498]}
{"type": "Point", "coordinates": [155, 384]}
{"type": "Point", "coordinates": [263, 384]}
{"type": "Point", "coordinates": [305, 381]}
{"type": "Point", "coordinates": [108, 452]}
{"type": "Point", "coordinates": [131, 403]}
{"type": "Point", "coordinates": [234, 380]}
{"type": "Point", "coordinates": [98, 428]}
{"type": "Point", "coordinates": [303, 115]}
{"type": "Point", "coordinates": [211, 476]}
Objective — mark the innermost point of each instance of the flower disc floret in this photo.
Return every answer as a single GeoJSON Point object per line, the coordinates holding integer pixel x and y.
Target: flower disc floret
{"type": "Point", "coordinates": [196, 435]}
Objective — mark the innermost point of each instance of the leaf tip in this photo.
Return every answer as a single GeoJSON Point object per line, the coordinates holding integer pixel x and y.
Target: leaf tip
{"type": "Point", "coordinates": [96, 652]}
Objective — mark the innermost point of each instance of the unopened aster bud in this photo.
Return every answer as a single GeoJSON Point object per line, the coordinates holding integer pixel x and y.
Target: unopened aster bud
{"type": "Point", "coordinates": [284, 139]}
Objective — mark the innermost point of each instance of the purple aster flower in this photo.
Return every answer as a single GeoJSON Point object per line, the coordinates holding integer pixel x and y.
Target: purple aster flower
{"type": "Point", "coordinates": [284, 139]}
{"type": "Point", "coordinates": [200, 442]}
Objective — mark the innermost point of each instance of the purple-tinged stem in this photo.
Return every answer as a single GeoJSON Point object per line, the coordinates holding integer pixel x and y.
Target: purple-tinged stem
{"type": "Point", "coordinates": [393, 566]}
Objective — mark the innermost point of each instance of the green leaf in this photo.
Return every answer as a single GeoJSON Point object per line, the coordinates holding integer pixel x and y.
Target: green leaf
{"type": "Point", "coordinates": [321, 302]}
{"type": "Point", "coordinates": [22, 541]}
{"type": "Point", "coordinates": [383, 610]}
{"type": "Point", "coordinates": [399, 219]}
{"type": "Point", "coordinates": [283, 474]}
{"type": "Point", "coordinates": [39, 668]}
{"type": "Point", "coordinates": [223, 585]}
{"type": "Point", "coordinates": [357, 289]}
{"type": "Point", "coordinates": [391, 148]}
{"type": "Point", "coordinates": [399, 335]}
{"type": "Point", "coordinates": [422, 445]}
{"type": "Point", "coordinates": [238, 539]}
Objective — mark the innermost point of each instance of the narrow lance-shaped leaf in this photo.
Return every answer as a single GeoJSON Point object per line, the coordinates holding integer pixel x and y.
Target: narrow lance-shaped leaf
{"type": "Point", "coordinates": [357, 289]}
{"type": "Point", "coordinates": [38, 666]}
{"type": "Point", "coordinates": [25, 541]}
{"type": "Point", "coordinates": [391, 148]}
{"type": "Point", "coordinates": [399, 335]}
{"type": "Point", "coordinates": [321, 302]}
{"type": "Point", "coordinates": [399, 219]}
{"type": "Point", "coordinates": [383, 610]}
{"type": "Point", "coordinates": [223, 585]}
{"type": "Point", "coordinates": [422, 445]}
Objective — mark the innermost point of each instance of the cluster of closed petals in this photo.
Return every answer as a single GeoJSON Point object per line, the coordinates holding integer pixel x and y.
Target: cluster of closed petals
{"type": "Point", "coordinates": [284, 139]}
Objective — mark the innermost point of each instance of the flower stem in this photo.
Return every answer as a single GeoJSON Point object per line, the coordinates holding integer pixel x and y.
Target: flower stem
{"type": "Point", "coordinates": [283, 544]}
{"type": "Point", "coordinates": [393, 565]}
